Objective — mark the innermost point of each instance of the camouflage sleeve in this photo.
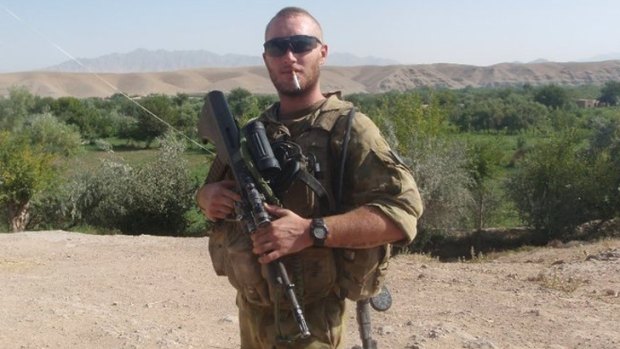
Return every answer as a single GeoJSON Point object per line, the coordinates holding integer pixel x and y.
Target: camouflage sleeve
{"type": "Point", "coordinates": [375, 176]}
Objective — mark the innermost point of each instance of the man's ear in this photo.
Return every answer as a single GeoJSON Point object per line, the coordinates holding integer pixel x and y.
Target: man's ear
{"type": "Point", "coordinates": [324, 51]}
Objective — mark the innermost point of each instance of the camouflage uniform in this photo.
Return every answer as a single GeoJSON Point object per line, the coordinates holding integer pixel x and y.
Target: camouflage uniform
{"type": "Point", "coordinates": [374, 176]}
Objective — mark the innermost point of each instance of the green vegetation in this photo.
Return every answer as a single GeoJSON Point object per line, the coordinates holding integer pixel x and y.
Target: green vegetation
{"type": "Point", "coordinates": [489, 157]}
{"type": "Point", "coordinates": [610, 93]}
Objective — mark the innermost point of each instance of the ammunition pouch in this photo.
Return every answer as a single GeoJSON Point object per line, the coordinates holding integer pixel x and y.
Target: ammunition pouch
{"type": "Point", "coordinates": [361, 272]}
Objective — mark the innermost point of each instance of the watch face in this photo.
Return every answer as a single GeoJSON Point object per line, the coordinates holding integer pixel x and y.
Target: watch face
{"type": "Point", "coordinates": [319, 233]}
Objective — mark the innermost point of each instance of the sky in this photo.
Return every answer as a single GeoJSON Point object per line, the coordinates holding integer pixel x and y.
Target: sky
{"type": "Point", "coordinates": [40, 33]}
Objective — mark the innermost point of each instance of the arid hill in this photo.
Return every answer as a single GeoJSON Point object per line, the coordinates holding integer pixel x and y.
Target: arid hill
{"type": "Point", "coordinates": [371, 79]}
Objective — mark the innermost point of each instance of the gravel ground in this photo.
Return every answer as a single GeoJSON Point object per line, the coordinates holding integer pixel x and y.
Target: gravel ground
{"type": "Point", "coordinates": [71, 290]}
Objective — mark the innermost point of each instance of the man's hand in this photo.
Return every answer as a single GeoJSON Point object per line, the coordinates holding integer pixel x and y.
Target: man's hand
{"type": "Point", "coordinates": [288, 233]}
{"type": "Point", "coordinates": [217, 200]}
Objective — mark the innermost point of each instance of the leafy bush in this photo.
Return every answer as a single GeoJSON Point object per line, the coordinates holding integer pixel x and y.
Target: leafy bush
{"type": "Point", "coordinates": [439, 168]}
{"type": "Point", "coordinates": [605, 148]}
{"type": "Point", "coordinates": [560, 185]}
{"type": "Point", "coordinates": [610, 93]}
{"type": "Point", "coordinates": [484, 161]}
{"type": "Point", "coordinates": [55, 136]}
{"type": "Point", "coordinates": [151, 199]}
{"type": "Point", "coordinates": [511, 113]}
{"type": "Point", "coordinates": [15, 108]}
{"type": "Point", "coordinates": [24, 171]}
{"type": "Point", "coordinates": [553, 96]}
{"type": "Point", "coordinates": [28, 161]}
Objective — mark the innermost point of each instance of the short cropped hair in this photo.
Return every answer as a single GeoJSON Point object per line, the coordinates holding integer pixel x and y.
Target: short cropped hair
{"type": "Point", "coordinates": [291, 12]}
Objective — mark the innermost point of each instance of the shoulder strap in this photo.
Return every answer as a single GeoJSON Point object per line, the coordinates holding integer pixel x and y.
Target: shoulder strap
{"type": "Point", "coordinates": [343, 157]}
{"type": "Point", "coordinates": [326, 205]}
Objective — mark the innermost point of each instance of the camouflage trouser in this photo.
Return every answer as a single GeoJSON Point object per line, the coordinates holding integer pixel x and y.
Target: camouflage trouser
{"type": "Point", "coordinates": [325, 319]}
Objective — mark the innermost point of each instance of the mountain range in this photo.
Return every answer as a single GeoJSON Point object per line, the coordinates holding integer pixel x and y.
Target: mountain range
{"type": "Point", "coordinates": [174, 73]}
{"type": "Point", "coordinates": [142, 60]}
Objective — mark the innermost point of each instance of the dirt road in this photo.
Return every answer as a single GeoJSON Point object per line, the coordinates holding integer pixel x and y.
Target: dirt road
{"type": "Point", "coordinates": [70, 290]}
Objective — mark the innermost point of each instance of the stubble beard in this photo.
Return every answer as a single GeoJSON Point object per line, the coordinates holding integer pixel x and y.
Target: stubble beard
{"type": "Point", "coordinates": [288, 88]}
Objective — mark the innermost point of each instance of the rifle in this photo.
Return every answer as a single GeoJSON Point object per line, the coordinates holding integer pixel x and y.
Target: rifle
{"type": "Point", "coordinates": [218, 126]}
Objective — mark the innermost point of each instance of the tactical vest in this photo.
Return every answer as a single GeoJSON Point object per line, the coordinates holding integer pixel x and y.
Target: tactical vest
{"type": "Point", "coordinates": [316, 272]}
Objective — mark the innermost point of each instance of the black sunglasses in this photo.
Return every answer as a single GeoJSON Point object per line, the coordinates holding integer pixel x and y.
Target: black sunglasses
{"type": "Point", "coordinates": [277, 47]}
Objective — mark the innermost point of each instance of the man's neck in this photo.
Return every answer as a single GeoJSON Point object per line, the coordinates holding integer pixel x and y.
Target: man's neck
{"type": "Point", "coordinates": [291, 104]}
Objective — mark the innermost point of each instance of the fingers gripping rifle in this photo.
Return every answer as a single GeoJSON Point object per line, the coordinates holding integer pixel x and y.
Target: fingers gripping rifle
{"type": "Point", "coordinates": [217, 125]}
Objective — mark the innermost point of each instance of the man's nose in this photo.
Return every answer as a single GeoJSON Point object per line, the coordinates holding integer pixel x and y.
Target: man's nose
{"type": "Point", "coordinates": [289, 55]}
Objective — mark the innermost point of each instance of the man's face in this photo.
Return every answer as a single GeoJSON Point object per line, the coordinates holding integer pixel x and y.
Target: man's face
{"type": "Point", "coordinates": [296, 33]}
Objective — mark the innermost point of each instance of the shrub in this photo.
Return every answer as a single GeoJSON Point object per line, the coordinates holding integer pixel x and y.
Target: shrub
{"type": "Point", "coordinates": [484, 161]}
{"type": "Point", "coordinates": [25, 170]}
{"type": "Point", "coordinates": [610, 93]}
{"type": "Point", "coordinates": [55, 136]}
{"type": "Point", "coordinates": [28, 157]}
{"type": "Point", "coordinates": [439, 169]}
{"type": "Point", "coordinates": [559, 186]}
{"type": "Point", "coordinates": [15, 108]}
{"type": "Point", "coordinates": [553, 96]}
{"type": "Point", "coordinates": [151, 199]}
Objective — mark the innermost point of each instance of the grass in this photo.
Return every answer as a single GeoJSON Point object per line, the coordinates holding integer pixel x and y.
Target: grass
{"type": "Point", "coordinates": [557, 282]}
{"type": "Point", "coordinates": [91, 157]}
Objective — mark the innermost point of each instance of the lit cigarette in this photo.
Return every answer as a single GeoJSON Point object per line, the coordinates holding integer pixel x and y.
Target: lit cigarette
{"type": "Point", "coordinates": [296, 81]}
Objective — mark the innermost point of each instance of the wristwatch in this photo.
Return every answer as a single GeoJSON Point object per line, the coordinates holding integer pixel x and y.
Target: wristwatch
{"type": "Point", "coordinates": [318, 231]}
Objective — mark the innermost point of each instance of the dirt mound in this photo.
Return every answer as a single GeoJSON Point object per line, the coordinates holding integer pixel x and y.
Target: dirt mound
{"type": "Point", "coordinates": [70, 290]}
{"type": "Point", "coordinates": [362, 79]}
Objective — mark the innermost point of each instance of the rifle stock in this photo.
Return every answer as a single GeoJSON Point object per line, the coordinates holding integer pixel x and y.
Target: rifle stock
{"type": "Point", "coordinates": [218, 126]}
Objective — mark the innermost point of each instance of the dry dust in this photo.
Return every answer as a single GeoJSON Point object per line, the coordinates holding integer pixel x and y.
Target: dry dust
{"type": "Point", "coordinates": [71, 290]}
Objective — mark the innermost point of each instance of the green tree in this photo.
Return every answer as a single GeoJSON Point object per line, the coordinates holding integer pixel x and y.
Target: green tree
{"type": "Point", "coordinates": [605, 147]}
{"type": "Point", "coordinates": [25, 170]}
{"type": "Point", "coordinates": [404, 118]}
{"type": "Point", "coordinates": [29, 147]}
{"type": "Point", "coordinates": [610, 93]}
{"type": "Point", "coordinates": [15, 108]}
{"type": "Point", "coordinates": [521, 114]}
{"type": "Point", "coordinates": [560, 186]}
{"type": "Point", "coordinates": [484, 163]}
{"type": "Point", "coordinates": [188, 114]}
{"type": "Point", "coordinates": [148, 127]}
{"type": "Point", "coordinates": [52, 135]}
{"type": "Point", "coordinates": [68, 109]}
{"type": "Point", "coordinates": [553, 96]}
{"type": "Point", "coordinates": [92, 120]}
{"type": "Point", "coordinates": [243, 105]}
{"type": "Point", "coordinates": [42, 105]}
{"type": "Point", "coordinates": [439, 166]}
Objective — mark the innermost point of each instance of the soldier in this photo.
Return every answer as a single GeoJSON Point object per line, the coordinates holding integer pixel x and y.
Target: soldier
{"type": "Point", "coordinates": [377, 199]}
